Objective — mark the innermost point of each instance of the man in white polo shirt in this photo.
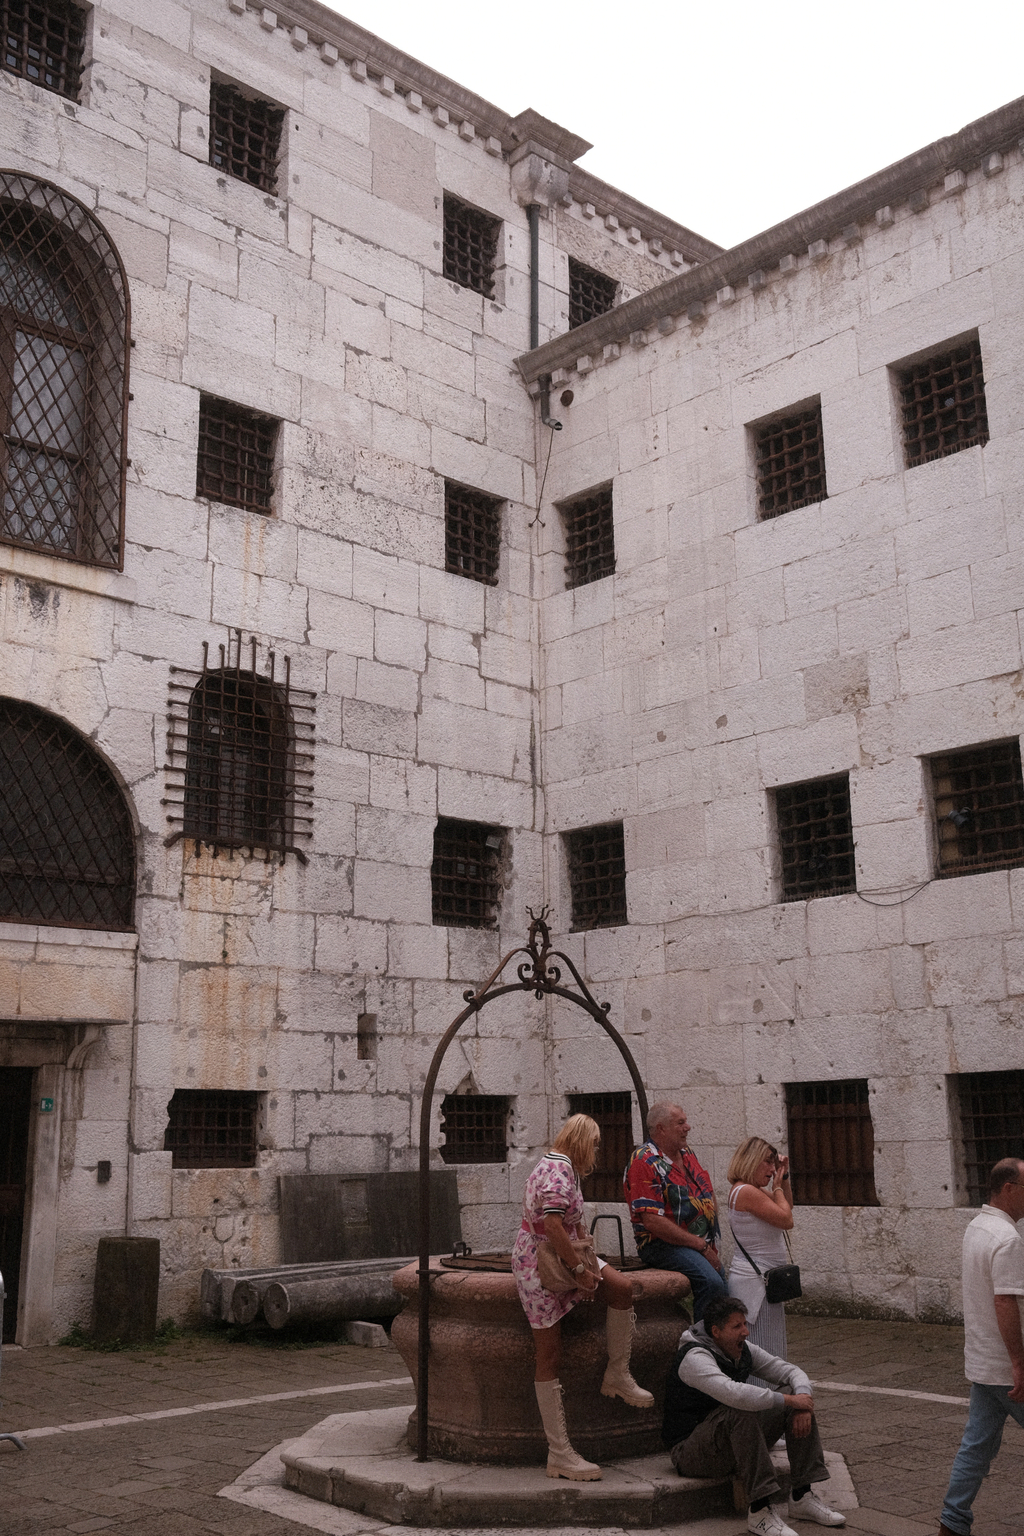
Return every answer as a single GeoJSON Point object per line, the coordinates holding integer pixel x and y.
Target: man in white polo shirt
{"type": "Point", "coordinates": [993, 1341]}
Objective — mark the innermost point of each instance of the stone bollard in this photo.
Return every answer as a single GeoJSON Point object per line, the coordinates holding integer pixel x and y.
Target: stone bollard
{"type": "Point", "coordinates": [126, 1289]}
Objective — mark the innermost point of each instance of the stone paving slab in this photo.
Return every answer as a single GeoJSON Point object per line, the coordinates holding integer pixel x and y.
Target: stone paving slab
{"type": "Point", "coordinates": [898, 1450]}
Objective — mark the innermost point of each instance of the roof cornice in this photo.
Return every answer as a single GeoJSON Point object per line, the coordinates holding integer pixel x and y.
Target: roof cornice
{"type": "Point", "coordinates": [340, 41]}
{"type": "Point", "coordinates": [586, 188]}
{"type": "Point", "coordinates": [842, 216]}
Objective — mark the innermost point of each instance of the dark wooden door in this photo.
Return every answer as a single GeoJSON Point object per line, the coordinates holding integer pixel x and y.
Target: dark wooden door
{"type": "Point", "coordinates": [15, 1109]}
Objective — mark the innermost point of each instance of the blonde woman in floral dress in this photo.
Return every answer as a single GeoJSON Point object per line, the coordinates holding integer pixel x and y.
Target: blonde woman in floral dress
{"type": "Point", "coordinates": [553, 1209]}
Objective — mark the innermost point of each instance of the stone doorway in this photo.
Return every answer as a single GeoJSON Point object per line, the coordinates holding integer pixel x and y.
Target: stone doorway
{"type": "Point", "coordinates": [15, 1118]}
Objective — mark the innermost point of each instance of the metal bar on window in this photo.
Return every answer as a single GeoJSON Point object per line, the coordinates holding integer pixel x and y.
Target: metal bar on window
{"type": "Point", "coordinates": [474, 1126]}
{"type": "Point", "coordinates": [465, 875]}
{"type": "Point", "coordinates": [590, 293]}
{"type": "Point", "coordinates": [790, 463]}
{"type": "Point", "coordinates": [237, 777]}
{"type": "Point", "coordinates": [589, 537]}
{"type": "Point", "coordinates": [979, 808]}
{"type": "Point", "coordinates": [597, 876]}
{"type": "Point", "coordinates": [43, 41]}
{"type": "Point", "coordinates": [472, 533]}
{"type": "Point", "coordinates": [943, 404]}
{"type": "Point", "coordinates": [831, 1143]}
{"type": "Point", "coordinates": [245, 136]}
{"type": "Point", "coordinates": [470, 246]}
{"type": "Point", "coordinates": [815, 828]}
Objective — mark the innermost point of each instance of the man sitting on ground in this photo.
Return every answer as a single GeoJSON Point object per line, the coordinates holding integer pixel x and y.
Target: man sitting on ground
{"type": "Point", "coordinates": [718, 1425]}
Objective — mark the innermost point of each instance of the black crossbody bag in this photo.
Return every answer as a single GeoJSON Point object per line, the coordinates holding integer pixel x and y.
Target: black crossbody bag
{"type": "Point", "coordinates": [781, 1283]}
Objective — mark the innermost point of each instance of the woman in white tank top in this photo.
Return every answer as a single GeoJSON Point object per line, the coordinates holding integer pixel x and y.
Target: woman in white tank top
{"type": "Point", "coordinates": [760, 1213]}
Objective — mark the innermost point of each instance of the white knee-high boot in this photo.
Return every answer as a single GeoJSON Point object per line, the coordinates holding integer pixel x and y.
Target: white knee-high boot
{"type": "Point", "coordinates": [617, 1380]}
{"type": "Point", "coordinates": [562, 1459]}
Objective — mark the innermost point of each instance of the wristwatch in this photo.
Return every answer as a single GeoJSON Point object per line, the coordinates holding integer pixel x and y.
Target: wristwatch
{"type": "Point", "coordinates": [580, 1267]}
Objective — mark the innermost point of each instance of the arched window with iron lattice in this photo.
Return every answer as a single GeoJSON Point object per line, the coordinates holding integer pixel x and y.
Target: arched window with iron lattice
{"type": "Point", "coordinates": [64, 336]}
{"type": "Point", "coordinates": [67, 842]}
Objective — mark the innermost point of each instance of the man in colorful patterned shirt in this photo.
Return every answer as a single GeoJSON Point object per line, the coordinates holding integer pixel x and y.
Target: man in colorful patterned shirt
{"type": "Point", "coordinates": [673, 1208]}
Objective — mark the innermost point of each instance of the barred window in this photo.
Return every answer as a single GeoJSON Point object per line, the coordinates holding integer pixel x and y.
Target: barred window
{"type": "Point", "coordinates": [990, 1110]}
{"type": "Point", "coordinates": [589, 537]}
{"type": "Point", "coordinates": [596, 859]}
{"type": "Point", "coordinates": [240, 754]}
{"type": "Point", "coordinates": [831, 1143]}
{"type": "Point", "coordinates": [943, 404]}
{"type": "Point", "coordinates": [475, 1128]}
{"type": "Point", "coordinates": [816, 838]}
{"type": "Point", "coordinates": [245, 136]}
{"type": "Point", "coordinates": [235, 463]}
{"type": "Point", "coordinates": [979, 808]}
{"type": "Point", "coordinates": [472, 533]}
{"type": "Point", "coordinates": [212, 1128]}
{"type": "Point", "coordinates": [63, 373]}
{"type": "Point", "coordinates": [43, 41]}
{"type": "Point", "coordinates": [470, 246]}
{"type": "Point", "coordinates": [67, 845]}
{"type": "Point", "coordinates": [465, 876]}
{"type": "Point", "coordinates": [590, 293]}
{"type": "Point", "coordinates": [790, 463]}
{"type": "Point", "coordinates": [614, 1114]}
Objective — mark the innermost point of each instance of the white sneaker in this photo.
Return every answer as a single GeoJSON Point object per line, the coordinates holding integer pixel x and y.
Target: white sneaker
{"type": "Point", "coordinates": [768, 1522]}
{"type": "Point", "coordinates": [810, 1507]}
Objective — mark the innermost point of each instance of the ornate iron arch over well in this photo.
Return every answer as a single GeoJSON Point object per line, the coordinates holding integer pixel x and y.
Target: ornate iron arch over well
{"type": "Point", "coordinates": [538, 973]}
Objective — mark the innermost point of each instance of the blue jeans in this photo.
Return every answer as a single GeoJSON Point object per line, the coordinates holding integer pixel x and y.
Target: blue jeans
{"type": "Point", "coordinates": [989, 1409]}
{"type": "Point", "coordinates": [705, 1281]}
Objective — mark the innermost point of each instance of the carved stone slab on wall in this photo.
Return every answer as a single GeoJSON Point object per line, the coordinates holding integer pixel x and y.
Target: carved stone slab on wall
{"type": "Point", "coordinates": [325, 1216]}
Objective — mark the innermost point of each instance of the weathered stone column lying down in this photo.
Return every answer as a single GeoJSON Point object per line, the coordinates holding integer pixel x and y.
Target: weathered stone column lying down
{"type": "Point", "coordinates": [482, 1402]}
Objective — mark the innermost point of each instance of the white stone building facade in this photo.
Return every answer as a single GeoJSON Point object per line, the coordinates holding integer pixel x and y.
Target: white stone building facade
{"type": "Point", "coordinates": [859, 639]}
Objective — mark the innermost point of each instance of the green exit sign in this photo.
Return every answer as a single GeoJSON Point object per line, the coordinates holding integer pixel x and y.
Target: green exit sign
{"type": "Point", "coordinates": [46, 1106]}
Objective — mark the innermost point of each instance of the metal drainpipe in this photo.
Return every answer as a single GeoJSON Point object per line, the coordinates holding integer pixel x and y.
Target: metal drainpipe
{"type": "Point", "coordinates": [533, 212]}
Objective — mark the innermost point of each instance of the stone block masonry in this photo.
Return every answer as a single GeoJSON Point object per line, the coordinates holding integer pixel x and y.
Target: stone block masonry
{"type": "Point", "coordinates": [724, 659]}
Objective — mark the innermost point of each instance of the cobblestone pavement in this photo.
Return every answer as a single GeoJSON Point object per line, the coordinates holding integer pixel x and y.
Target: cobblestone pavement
{"type": "Point", "coordinates": [161, 1477]}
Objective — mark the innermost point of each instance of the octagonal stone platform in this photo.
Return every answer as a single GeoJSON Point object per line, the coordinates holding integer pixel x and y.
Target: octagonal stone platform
{"type": "Point", "coordinates": [360, 1462]}
{"type": "Point", "coordinates": [363, 1463]}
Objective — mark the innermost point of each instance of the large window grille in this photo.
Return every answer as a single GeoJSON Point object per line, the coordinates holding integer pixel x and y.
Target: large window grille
{"type": "Point", "coordinates": [63, 373]}
{"type": "Point", "coordinates": [42, 41]}
{"type": "Point", "coordinates": [475, 1128]}
{"type": "Point", "coordinates": [614, 1114]}
{"type": "Point", "coordinates": [979, 808]}
{"type": "Point", "coordinates": [212, 1128]}
{"type": "Point", "coordinates": [472, 533]}
{"type": "Point", "coordinates": [943, 404]}
{"type": "Point", "coordinates": [240, 754]}
{"type": "Point", "coordinates": [816, 838]}
{"type": "Point", "coordinates": [590, 293]}
{"type": "Point", "coordinates": [790, 463]}
{"type": "Point", "coordinates": [596, 858]}
{"type": "Point", "coordinates": [67, 846]}
{"type": "Point", "coordinates": [831, 1143]}
{"type": "Point", "coordinates": [990, 1108]}
{"type": "Point", "coordinates": [470, 246]}
{"type": "Point", "coordinates": [245, 136]}
{"type": "Point", "coordinates": [235, 463]}
{"type": "Point", "coordinates": [589, 537]}
{"type": "Point", "coordinates": [466, 873]}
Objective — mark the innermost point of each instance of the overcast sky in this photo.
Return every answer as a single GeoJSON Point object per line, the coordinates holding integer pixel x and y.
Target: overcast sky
{"type": "Point", "coordinates": [726, 117]}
